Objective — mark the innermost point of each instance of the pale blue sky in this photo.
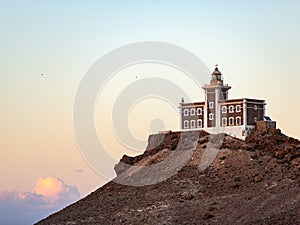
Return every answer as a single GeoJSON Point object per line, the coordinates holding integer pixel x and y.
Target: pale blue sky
{"type": "Point", "coordinates": [255, 43]}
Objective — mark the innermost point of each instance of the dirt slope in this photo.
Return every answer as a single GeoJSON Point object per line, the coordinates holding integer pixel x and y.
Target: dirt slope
{"type": "Point", "coordinates": [250, 182]}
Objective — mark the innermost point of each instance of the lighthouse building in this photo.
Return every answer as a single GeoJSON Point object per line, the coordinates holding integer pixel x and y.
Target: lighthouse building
{"type": "Point", "coordinates": [218, 114]}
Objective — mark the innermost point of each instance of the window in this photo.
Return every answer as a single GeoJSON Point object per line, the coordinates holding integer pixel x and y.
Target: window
{"type": "Point", "coordinates": [186, 112]}
{"type": "Point", "coordinates": [199, 111]}
{"type": "Point", "coordinates": [255, 107]}
{"type": "Point", "coordinates": [231, 121]}
{"type": "Point", "coordinates": [193, 123]}
{"type": "Point", "coordinates": [192, 112]}
{"type": "Point", "coordinates": [224, 109]}
{"type": "Point", "coordinates": [211, 105]}
{"type": "Point", "coordinates": [211, 116]}
{"type": "Point", "coordinates": [199, 123]}
{"type": "Point", "coordinates": [231, 109]}
{"type": "Point", "coordinates": [224, 122]}
{"type": "Point", "coordinates": [238, 108]}
{"type": "Point", "coordinates": [186, 124]}
{"type": "Point", "coordinates": [255, 119]}
{"type": "Point", "coordinates": [238, 120]}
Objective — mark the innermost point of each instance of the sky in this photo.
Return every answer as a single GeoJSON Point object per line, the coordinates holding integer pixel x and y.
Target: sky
{"type": "Point", "coordinates": [255, 43]}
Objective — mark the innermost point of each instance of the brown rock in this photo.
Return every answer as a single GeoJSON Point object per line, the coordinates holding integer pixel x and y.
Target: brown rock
{"type": "Point", "coordinates": [186, 196]}
{"type": "Point", "coordinates": [211, 208]}
{"type": "Point", "coordinates": [257, 178]}
{"type": "Point", "coordinates": [207, 216]}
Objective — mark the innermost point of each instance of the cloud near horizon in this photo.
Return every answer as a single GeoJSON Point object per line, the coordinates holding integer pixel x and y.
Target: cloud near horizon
{"type": "Point", "coordinates": [49, 195]}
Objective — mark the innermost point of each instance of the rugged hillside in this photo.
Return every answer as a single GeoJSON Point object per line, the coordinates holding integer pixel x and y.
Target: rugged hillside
{"type": "Point", "coordinates": [256, 181]}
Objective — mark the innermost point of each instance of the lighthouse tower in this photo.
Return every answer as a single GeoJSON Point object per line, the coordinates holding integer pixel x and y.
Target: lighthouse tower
{"type": "Point", "coordinates": [215, 93]}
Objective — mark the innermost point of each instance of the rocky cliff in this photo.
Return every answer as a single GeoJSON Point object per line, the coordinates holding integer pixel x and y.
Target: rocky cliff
{"type": "Point", "coordinates": [256, 181]}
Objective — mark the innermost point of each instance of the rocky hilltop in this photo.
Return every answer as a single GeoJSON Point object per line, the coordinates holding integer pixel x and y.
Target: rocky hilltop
{"type": "Point", "coordinates": [256, 181]}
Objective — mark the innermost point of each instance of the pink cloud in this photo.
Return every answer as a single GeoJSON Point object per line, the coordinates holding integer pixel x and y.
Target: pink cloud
{"type": "Point", "coordinates": [49, 195]}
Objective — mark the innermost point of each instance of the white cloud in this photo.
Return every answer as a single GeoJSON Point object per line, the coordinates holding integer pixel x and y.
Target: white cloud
{"type": "Point", "coordinates": [49, 195]}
